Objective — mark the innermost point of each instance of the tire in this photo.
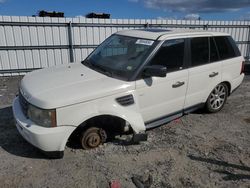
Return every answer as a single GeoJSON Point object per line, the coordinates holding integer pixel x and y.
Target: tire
{"type": "Point", "coordinates": [92, 138]}
{"type": "Point", "coordinates": [217, 98]}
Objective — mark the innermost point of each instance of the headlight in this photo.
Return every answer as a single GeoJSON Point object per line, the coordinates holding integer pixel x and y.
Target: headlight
{"type": "Point", "coordinates": [45, 118]}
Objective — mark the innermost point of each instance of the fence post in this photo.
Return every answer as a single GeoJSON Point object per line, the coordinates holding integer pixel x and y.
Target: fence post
{"type": "Point", "coordinates": [248, 43]}
{"type": "Point", "coordinates": [205, 27]}
{"type": "Point", "coordinates": [71, 51]}
{"type": "Point", "coordinates": [146, 25]}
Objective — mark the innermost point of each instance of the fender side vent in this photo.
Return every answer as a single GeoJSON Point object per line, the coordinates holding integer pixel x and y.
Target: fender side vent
{"type": "Point", "coordinates": [126, 100]}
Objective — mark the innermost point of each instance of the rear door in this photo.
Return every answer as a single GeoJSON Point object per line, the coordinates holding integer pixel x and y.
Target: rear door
{"type": "Point", "coordinates": [205, 70]}
{"type": "Point", "coordinates": [231, 60]}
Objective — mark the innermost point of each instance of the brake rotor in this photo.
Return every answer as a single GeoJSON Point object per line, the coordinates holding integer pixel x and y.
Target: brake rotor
{"type": "Point", "coordinates": [93, 140]}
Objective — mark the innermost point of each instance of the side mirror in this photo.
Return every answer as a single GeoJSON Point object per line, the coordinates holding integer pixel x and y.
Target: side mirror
{"type": "Point", "coordinates": [155, 70]}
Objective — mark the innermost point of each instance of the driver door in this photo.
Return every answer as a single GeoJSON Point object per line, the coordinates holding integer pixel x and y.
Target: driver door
{"type": "Point", "coordinates": [158, 97]}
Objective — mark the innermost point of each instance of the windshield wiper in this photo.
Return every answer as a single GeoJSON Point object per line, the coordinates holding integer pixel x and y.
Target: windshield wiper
{"type": "Point", "coordinates": [97, 67]}
{"type": "Point", "coordinates": [104, 71]}
{"type": "Point", "coordinates": [87, 62]}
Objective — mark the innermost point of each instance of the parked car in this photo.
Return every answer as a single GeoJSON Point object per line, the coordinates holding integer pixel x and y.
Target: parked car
{"type": "Point", "coordinates": [135, 80]}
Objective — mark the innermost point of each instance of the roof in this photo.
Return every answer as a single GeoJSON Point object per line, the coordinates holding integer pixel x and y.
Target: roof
{"type": "Point", "coordinates": [161, 34]}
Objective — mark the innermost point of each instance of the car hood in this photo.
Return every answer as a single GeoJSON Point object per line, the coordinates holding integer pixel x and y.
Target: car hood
{"type": "Point", "coordinates": [69, 84]}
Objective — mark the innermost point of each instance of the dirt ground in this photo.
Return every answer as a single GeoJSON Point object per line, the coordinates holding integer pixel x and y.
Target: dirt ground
{"type": "Point", "coordinates": [198, 150]}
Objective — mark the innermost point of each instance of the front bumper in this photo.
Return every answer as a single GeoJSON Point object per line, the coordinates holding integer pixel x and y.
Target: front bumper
{"type": "Point", "coordinates": [49, 140]}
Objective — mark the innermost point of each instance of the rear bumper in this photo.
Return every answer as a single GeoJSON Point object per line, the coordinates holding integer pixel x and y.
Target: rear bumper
{"type": "Point", "coordinates": [51, 141]}
{"type": "Point", "coordinates": [236, 82]}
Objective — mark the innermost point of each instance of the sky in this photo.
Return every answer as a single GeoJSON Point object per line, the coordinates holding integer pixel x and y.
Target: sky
{"type": "Point", "coordinates": [140, 9]}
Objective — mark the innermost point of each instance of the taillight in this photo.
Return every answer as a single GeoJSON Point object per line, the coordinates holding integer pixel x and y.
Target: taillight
{"type": "Point", "coordinates": [242, 67]}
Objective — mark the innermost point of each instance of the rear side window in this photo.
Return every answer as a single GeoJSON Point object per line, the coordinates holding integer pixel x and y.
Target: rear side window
{"type": "Point", "coordinates": [199, 51]}
{"type": "Point", "coordinates": [226, 47]}
{"type": "Point", "coordinates": [170, 55]}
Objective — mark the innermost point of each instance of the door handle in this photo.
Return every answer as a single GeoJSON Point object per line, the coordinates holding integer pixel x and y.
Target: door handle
{"type": "Point", "coordinates": [213, 74]}
{"type": "Point", "coordinates": [178, 84]}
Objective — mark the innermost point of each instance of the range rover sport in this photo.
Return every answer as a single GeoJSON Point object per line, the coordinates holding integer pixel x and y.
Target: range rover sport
{"type": "Point", "coordinates": [135, 80]}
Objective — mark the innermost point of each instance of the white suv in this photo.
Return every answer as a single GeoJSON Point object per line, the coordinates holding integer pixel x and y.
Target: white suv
{"type": "Point", "coordinates": [133, 81]}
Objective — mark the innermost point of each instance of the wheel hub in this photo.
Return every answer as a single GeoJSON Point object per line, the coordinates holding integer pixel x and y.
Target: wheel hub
{"type": "Point", "coordinates": [92, 137]}
{"type": "Point", "coordinates": [93, 140]}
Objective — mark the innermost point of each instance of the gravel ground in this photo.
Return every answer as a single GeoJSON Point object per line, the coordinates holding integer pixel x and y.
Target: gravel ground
{"type": "Point", "coordinates": [198, 150]}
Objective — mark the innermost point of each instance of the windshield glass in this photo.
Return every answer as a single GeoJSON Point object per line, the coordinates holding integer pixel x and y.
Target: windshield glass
{"type": "Point", "coordinates": [119, 56]}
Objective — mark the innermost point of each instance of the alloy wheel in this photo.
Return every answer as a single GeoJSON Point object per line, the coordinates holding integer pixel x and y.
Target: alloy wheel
{"type": "Point", "coordinates": [218, 97]}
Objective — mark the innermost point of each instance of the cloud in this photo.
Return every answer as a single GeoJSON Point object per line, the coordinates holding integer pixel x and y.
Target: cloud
{"type": "Point", "coordinates": [2, 1]}
{"type": "Point", "coordinates": [134, 1]}
{"type": "Point", "coordinates": [245, 17]}
{"type": "Point", "coordinates": [192, 17]}
{"type": "Point", "coordinates": [200, 6]}
{"type": "Point", "coordinates": [166, 18]}
{"type": "Point", "coordinates": [80, 16]}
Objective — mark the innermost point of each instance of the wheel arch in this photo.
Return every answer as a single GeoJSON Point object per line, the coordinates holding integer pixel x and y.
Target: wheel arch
{"type": "Point", "coordinates": [85, 125]}
{"type": "Point", "coordinates": [225, 82]}
{"type": "Point", "coordinates": [83, 112]}
{"type": "Point", "coordinates": [228, 86]}
{"type": "Point", "coordinates": [96, 121]}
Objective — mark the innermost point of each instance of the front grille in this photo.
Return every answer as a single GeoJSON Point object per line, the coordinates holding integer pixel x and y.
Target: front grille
{"type": "Point", "coordinates": [24, 104]}
{"type": "Point", "coordinates": [125, 100]}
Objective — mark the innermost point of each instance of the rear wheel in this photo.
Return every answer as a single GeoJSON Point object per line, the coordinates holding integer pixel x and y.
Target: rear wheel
{"type": "Point", "coordinates": [217, 98]}
{"type": "Point", "coordinates": [92, 137]}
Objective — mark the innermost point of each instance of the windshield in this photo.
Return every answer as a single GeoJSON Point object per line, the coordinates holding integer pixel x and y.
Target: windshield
{"type": "Point", "coordinates": [119, 56]}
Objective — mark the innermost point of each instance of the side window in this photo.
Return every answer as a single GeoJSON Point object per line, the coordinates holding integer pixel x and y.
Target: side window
{"type": "Point", "coordinates": [213, 51]}
{"type": "Point", "coordinates": [171, 55]}
{"type": "Point", "coordinates": [235, 47]}
{"type": "Point", "coordinates": [225, 48]}
{"type": "Point", "coordinates": [199, 51]}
